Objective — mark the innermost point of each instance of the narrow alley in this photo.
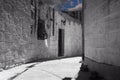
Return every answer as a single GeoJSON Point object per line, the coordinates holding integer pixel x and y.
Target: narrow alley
{"type": "Point", "coordinates": [59, 39]}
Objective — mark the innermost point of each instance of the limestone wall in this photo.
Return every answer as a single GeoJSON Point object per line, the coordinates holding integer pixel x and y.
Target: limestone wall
{"type": "Point", "coordinates": [72, 34]}
{"type": "Point", "coordinates": [102, 31]}
{"type": "Point", "coordinates": [17, 45]}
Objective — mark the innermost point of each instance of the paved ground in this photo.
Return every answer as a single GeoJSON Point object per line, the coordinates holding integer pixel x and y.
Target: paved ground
{"type": "Point", "coordinates": [49, 70]}
{"type": "Point", "coordinates": [61, 68]}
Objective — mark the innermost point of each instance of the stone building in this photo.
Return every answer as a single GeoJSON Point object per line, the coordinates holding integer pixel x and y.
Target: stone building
{"type": "Point", "coordinates": [101, 25]}
{"type": "Point", "coordinates": [64, 33]}
{"type": "Point", "coordinates": [31, 30]}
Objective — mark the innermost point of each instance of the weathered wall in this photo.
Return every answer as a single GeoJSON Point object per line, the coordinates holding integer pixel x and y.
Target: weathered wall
{"type": "Point", "coordinates": [72, 41]}
{"type": "Point", "coordinates": [46, 14]}
{"type": "Point", "coordinates": [72, 37]}
{"type": "Point", "coordinates": [16, 43]}
{"type": "Point", "coordinates": [73, 34]}
{"type": "Point", "coordinates": [19, 45]}
{"type": "Point", "coordinates": [102, 31]}
{"type": "Point", "coordinates": [14, 31]}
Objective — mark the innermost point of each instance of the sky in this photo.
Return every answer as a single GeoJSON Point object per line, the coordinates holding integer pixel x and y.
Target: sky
{"type": "Point", "coordinates": [69, 4]}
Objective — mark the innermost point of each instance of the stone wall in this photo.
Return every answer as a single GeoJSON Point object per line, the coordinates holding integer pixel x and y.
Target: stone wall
{"type": "Point", "coordinates": [72, 34]}
{"type": "Point", "coordinates": [102, 31]}
{"type": "Point", "coordinates": [16, 44]}
{"type": "Point", "coordinates": [18, 40]}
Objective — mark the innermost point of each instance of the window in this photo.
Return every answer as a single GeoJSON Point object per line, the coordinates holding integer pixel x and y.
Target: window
{"type": "Point", "coordinates": [41, 31]}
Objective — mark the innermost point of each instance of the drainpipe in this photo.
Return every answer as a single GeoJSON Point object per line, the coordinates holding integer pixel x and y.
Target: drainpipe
{"type": "Point", "coordinates": [53, 21]}
{"type": "Point", "coordinates": [36, 18]}
{"type": "Point", "coordinates": [83, 31]}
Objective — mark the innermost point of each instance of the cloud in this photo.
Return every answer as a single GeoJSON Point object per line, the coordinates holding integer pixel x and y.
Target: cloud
{"type": "Point", "coordinates": [76, 8]}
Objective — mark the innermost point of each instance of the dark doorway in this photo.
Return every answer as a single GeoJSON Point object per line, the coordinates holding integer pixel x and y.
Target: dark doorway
{"type": "Point", "coordinates": [61, 42]}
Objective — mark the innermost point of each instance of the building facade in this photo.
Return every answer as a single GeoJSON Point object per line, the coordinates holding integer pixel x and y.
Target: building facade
{"type": "Point", "coordinates": [31, 30]}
